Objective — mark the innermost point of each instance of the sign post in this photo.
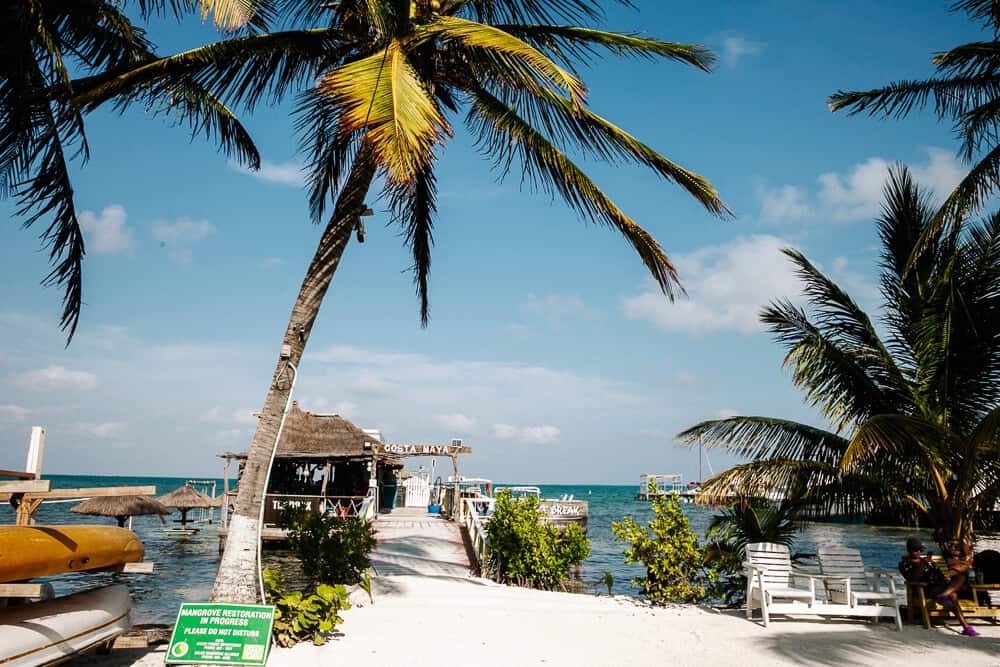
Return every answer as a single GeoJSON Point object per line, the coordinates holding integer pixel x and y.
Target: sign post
{"type": "Point", "coordinates": [221, 634]}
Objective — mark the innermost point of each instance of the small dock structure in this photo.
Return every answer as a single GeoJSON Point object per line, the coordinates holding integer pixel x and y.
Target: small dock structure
{"type": "Point", "coordinates": [665, 485]}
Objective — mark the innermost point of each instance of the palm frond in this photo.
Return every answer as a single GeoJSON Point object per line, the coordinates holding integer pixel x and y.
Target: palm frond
{"type": "Point", "coordinates": [413, 206]}
{"type": "Point", "coordinates": [532, 11]}
{"type": "Point", "coordinates": [767, 438]}
{"type": "Point", "coordinates": [241, 70]}
{"type": "Point", "coordinates": [951, 95]}
{"type": "Point", "coordinates": [842, 321]}
{"type": "Point", "coordinates": [593, 135]}
{"type": "Point", "coordinates": [504, 135]}
{"type": "Point", "coordinates": [504, 50]}
{"type": "Point", "coordinates": [384, 95]}
{"type": "Point", "coordinates": [832, 377]}
{"type": "Point", "coordinates": [575, 43]}
{"type": "Point", "coordinates": [985, 11]}
{"type": "Point", "coordinates": [763, 478]}
{"type": "Point", "coordinates": [895, 433]}
{"type": "Point", "coordinates": [330, 148]}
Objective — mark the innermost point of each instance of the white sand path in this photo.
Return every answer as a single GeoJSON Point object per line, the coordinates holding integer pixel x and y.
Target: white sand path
{"type": "Point", "coordinates": [429, 611]}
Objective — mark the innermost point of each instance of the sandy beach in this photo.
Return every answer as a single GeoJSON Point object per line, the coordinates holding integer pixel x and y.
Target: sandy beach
{"type": "Point", "coordinates": [419, 620]}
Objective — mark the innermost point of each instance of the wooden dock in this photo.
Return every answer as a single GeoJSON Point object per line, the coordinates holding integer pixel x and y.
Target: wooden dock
{"type": "Point", "coordinates": [413, 542]}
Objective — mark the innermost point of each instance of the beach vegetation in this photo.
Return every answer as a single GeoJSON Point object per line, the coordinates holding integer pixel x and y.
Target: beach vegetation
{"type": "Point", "coordinates": [526, 551]}
{"type": "Point", "coordinates": [379, 84]}
{"type": "Point", "coordinates": [669, 549]}
{"type": "Point", "coordinates": [964, 92]}
{"type": "Point", "coordinates": [330, 548]}
{"type": "Point", "coordinates": [912, 403]}
{"type": "Point", "coordinates": [299, 617]}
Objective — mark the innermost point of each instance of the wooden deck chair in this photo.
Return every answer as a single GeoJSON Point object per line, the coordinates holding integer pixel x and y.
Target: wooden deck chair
{"type": "Point", "coordinates": [769, 582]}
{"type": "Point", "coordinates": [847, 582]}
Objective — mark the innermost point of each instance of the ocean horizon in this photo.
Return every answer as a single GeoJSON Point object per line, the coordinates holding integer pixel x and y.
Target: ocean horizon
{"type": "Point", "coordinates": [185, 568]}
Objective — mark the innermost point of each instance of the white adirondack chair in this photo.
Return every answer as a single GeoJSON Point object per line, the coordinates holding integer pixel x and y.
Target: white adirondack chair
{"type": "Point", "coordinates": [847, 582]}
{"type": "Point", "coordinates": [769, 582]}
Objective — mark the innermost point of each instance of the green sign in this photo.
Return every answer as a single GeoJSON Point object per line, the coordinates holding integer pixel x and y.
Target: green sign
{"type": "Point", "coordinates": [221, 634]}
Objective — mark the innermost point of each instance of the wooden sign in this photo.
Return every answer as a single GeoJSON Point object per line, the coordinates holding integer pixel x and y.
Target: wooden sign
{"type": "Point", "coordinates": [424, 450]}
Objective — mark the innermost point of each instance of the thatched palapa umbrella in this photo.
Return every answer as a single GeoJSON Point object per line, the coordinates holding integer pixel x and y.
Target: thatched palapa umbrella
{"type": "Point", "coordinates": [120, 507]}
{"type": "Point", "coordinates": [184, 499]}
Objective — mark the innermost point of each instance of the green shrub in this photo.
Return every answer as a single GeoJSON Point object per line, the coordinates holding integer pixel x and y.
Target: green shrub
{"type": "Point", "coordinates": [299, 618]}
{"type": "Point", "coordinates": [675, 562]}
{"type": "Point", "coordinates": [330, 548]}
{"type": "Point", "coordinates": [525, 551]}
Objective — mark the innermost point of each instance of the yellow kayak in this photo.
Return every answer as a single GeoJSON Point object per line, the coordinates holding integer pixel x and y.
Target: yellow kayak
{"type": "Point", "coordinates": [27, 552]}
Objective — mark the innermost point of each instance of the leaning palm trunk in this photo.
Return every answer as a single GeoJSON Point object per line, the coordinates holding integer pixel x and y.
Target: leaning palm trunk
{"type": "Point", "coordinates": [236, 580]}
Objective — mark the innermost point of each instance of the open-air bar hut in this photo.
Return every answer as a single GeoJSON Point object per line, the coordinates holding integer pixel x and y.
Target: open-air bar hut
{"type": "Point", "coordinates": [324, 463]}
{"type": "Point", "coordinates": [186, 499]}
{"type": "Point", "coordinates": [122, 508]}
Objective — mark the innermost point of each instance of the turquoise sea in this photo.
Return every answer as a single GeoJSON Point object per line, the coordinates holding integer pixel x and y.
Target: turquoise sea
{"type": "Point", "coordinates": [185, 568]}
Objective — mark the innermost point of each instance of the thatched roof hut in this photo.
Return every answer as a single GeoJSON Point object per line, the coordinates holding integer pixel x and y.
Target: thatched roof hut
{"type": "Point", "coordinates": [307, 435]}
{"type": "Point", "coordinates": [186, 498]}
{"type": "Point", "coordinates": [120, 507]}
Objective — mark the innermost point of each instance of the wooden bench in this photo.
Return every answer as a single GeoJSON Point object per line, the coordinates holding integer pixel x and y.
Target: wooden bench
{"type": "Point", "coordinates": [916, 598]}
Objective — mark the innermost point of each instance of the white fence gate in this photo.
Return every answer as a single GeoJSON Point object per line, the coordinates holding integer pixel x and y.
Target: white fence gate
{"type": "Point", "coordinates": [418, 492]}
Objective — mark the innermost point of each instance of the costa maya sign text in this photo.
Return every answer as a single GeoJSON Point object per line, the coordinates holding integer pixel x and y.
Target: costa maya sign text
{"type": "Point", "coordinates": [424, 450]}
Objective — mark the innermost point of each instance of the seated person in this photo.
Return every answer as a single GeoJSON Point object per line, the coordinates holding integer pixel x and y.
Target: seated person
{"type": "Point", "coordinates": [918, 568]}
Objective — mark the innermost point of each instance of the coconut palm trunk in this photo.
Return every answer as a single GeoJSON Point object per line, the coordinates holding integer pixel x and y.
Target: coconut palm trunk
{"type": "Point", "coordinates": [237, 577]}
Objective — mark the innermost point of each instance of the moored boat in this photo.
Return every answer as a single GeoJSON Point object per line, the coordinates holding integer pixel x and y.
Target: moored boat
{"type": "Point", "coordinates": [50, 632]}
{"type": "Point", "coordinates": [27, 552]}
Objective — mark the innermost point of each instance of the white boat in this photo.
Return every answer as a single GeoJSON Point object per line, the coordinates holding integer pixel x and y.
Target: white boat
{"type": "Point", "coordinates": [53, 631]}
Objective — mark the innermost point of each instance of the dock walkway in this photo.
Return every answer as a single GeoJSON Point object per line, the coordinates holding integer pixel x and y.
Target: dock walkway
{"type": "Point", "coordinates": [413, 542]}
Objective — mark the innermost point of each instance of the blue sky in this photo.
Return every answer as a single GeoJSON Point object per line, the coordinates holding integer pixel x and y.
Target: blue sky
{"type": "Point", "coordinates": [549, 351]}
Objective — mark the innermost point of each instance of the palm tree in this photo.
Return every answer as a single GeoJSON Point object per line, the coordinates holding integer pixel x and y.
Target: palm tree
{"type": "Point", "coordinates": [913, 405]}
{"type": "Point", "coordinates": [384, 80]}
{"type": "Point", "coordinates": [965, 91]}
{"type": "Point", "coordinates": [41, 131]}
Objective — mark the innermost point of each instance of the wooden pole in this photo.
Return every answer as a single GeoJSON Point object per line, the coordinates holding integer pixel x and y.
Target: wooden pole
{"type": "Point", "coordinates": [456, 501]}
{"type": "Point", "coordinates": [36, 449]}
{"type": "Point", "coordinates": [224, 519]}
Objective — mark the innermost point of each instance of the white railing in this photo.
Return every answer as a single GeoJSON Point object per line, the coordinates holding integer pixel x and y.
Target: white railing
{"type": "Point", "coordinates": [476, 526]}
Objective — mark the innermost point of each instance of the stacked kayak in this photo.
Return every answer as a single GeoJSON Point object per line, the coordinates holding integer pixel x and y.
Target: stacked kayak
{"type": "Point", "coordinates": [52, 631]}
{"type": "Point", "coordinates": [28, 552]}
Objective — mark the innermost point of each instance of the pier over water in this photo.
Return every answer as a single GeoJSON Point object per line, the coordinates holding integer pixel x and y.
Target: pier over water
{"type": "Point", "coordinates": [413, 542]}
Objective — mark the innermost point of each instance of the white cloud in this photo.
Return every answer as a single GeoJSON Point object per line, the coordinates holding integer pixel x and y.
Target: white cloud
{"type": "Point", "coordinates": [102, 430]}
{"type": "Point", "coordinates": [856, 194]}
{"type": "Point", "coordinates": [736, 48]}
{"type": "Point", "coordinates": [271, 262]}
{"type": "Point", "coordinates": [107, 233]}
{"type": "Point", "coordinates": [782, 204]}
{"type": "Point", "coordinates": [13, 413]}
{"type": "Point", "coordinates": [535, 435]}
{"type": "Point", "coordinates": [727, 286]}
{"type": "Point", "coordinates": [184, 230]}
{"type": "Point", "coordinates": [284, 173]}
{"type": "Point", "coordinates": [178, 236]}
{"type": "Point", "coordinates": [55, 378]}
{"type": "Point", "coordinates": [554, 307]}
{"type": "Point", "coordinates": [458, 424]}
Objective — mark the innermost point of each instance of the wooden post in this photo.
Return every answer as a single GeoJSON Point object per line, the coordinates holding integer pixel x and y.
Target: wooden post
{"type": "Point", "coordinates": [35, 450]}
{"type": "Point", "coordinates": [25, 515]}
{"type": "Point", "coordinates": [224, 519]}
{"type": "Point", "coordinates": [456, 514]}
